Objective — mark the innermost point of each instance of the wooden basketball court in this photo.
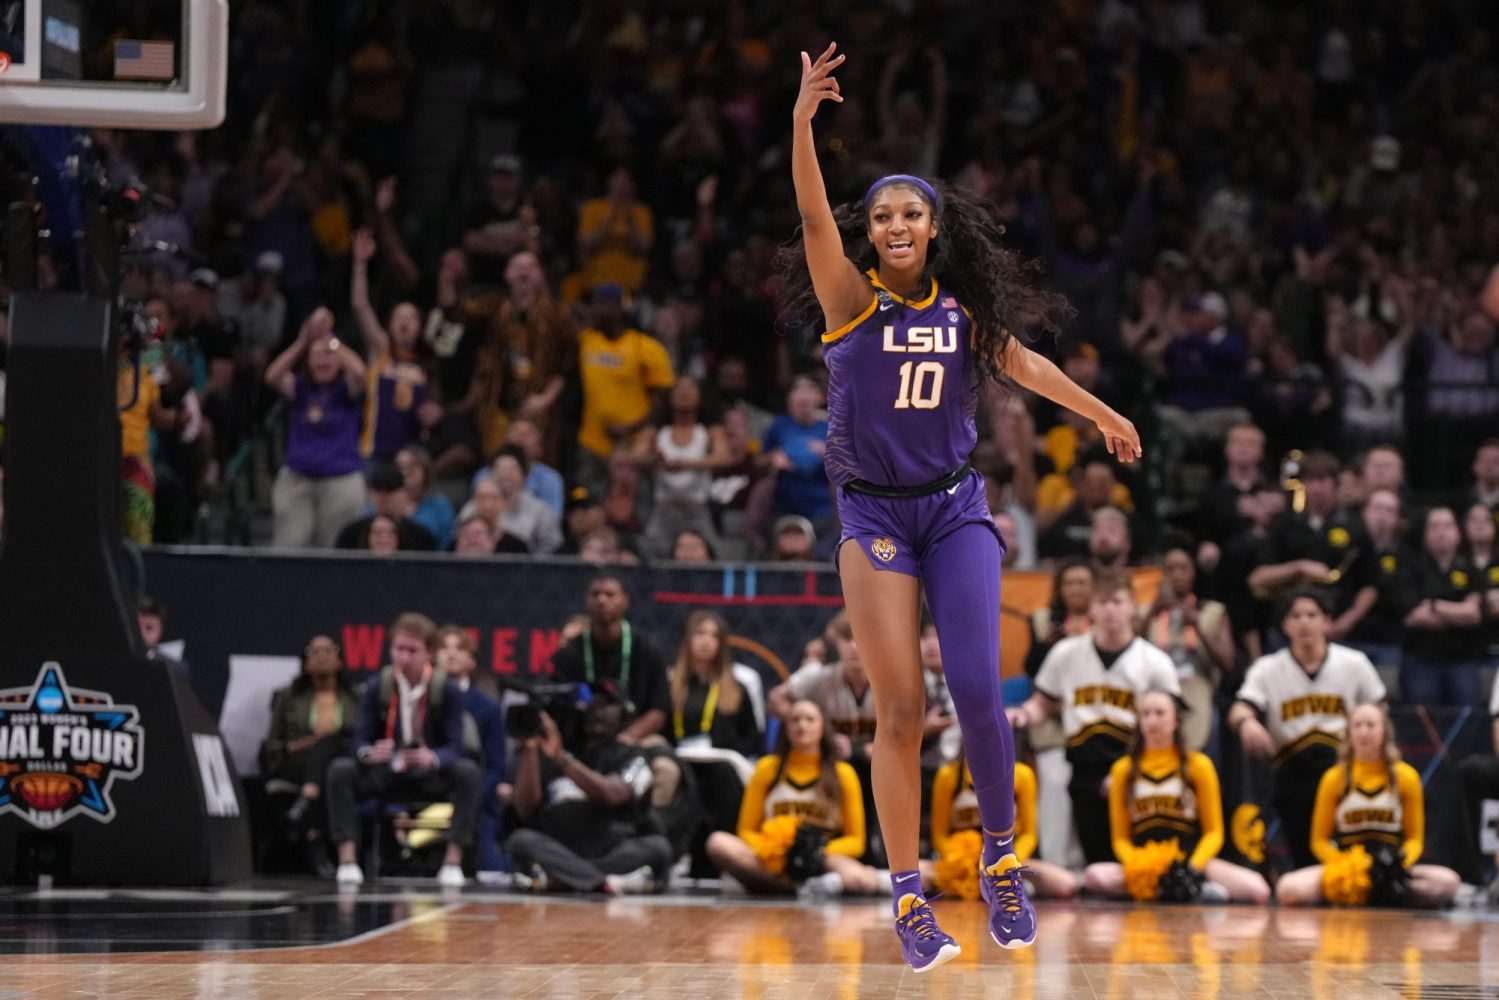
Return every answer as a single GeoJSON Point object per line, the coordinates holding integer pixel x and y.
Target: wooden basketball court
{"type": "Point", "coordinates": [389, 942]}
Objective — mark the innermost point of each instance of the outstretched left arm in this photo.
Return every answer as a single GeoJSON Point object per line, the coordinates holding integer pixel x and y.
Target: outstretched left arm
{"type": "Point", "coordinates": [1036, 373]}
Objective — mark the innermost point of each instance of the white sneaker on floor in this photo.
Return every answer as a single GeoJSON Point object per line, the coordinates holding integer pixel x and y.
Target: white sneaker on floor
{"type": "Point", "coordinates": [349, 874]}
{"type": "Point", "coordinates": [1212, 892]}
{"type": "Point", "coordinates": [820, 887]}
{"type": "Point", "coordinates": [534, 881]}
{"type": "Point", "coordinates": [451, 877]}
{"type": "Point", "coordinates": [495, 880]}
{"type": "Point", "coordinates": [639, 882]}
{"type": "Point", "coordinates": [1470, 895]}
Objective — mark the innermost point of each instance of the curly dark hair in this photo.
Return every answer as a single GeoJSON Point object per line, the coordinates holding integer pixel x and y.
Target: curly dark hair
{"type": "Point", "coordinates": [967, 256]}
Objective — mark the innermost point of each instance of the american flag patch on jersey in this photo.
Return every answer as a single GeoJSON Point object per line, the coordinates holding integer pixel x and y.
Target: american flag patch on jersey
{"type": "Point", "coordinates": [137, 60]}
{"type": "Point", "coordinates": [948, 302]}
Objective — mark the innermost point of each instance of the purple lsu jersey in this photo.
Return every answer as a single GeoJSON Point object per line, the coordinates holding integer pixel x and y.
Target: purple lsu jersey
{"type": "Point", "coordinates": [902, 391]}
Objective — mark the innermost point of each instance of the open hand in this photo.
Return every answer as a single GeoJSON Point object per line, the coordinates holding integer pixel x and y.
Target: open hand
{"type": "Point", "coordinates": [364, 246]}
{"type": "Point", "coordinates": [1256, 738]}
{"type": "Point", "coordinates": [1120, 437]}
{"type": "Point", "coordinates": [818, 84]}
{"type": "Point", "coordinates": [385, 195]}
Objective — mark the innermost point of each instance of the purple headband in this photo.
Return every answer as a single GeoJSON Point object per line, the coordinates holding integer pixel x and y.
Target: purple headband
{"type": "Point", "coordinates": [915, 182]}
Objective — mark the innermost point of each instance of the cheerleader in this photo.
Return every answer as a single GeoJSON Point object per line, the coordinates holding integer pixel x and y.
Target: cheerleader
{"type": "Point", "coordinates": [1161, 792]}
{"type": "Point", "coordinates": [1369, 828]}
{"type": "Point", "coordinates": [955, 808]}
{"type": "Point", "coordinates": [803, 780]}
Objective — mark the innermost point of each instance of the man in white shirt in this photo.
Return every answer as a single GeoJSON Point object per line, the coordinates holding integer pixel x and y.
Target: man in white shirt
{"type": "Point", "coordinates": [1093, 682]}
{"type": "Point", "coordinates": [1293, 708]}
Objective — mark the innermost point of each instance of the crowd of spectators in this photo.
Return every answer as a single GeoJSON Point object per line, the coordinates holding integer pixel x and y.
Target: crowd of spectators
{"type": "Point", "coordinates": [1262, 217]}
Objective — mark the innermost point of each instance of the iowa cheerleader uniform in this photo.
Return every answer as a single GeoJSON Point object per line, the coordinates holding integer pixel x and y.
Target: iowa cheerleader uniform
{"type": "Point", "coordinates": [1363, 808]}
{"type": "Point", "coordinates": [1173, 799]}
{"type": "Point", "coordinates": [955, 806]}
{"type": "Point", "coordinates": [797, 792]}
{"type": "Point", "coordinates": [1306, 716]}
{"type": "Point", "coordinates": [1097, 693]}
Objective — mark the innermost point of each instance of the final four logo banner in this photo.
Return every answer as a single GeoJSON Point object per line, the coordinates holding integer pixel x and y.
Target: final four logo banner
{"type": "Point", "coordinates": [63, 748]}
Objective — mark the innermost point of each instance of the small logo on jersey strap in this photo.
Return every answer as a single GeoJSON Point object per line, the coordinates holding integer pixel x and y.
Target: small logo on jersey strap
{"type": "Point", "coordinates": [885, 301]}
{"type": "Point", "coordinates": [948, 302]}
{"type": "Point", "coordinates": [952, 317]}
{"type": "Point", "coordinates": [883, 549]}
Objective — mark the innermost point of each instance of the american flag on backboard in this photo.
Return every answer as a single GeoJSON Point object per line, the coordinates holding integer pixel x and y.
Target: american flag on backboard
{"type": "Point", "coordinates": [137, 60]}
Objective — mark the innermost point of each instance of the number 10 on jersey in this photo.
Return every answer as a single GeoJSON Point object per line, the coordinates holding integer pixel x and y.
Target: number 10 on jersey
{"type": "Point", "coordinates": [920, 385]}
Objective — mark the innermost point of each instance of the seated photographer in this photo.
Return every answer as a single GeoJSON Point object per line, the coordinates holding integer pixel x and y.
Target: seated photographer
{"type": "Point", "coordinates": [1166, 820]}
{"type": "Point", "coordinates": [1369, 828]}
{"type": "Point", "coordinates": [801, 823]}
{"type": "Point", "coordinates": [587, 822]}
{"type": "Point", "coordinates": [483, 733]}
{"type": "Point", "coordinates": [408, 745]}
{"type": "Point", "coordinates": [611, 649]}
{"type": "Point", "coordinates": [312, 723]}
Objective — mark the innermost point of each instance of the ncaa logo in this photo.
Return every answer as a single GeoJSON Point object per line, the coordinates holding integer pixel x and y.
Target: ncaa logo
{"type": "Point", "coordinates": [62, 749]}
{"type": "Point", "coordinates": [883, 549]}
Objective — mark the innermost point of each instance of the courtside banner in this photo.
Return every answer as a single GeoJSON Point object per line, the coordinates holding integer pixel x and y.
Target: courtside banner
{"type": "Point", "coordinates": [226, 602]}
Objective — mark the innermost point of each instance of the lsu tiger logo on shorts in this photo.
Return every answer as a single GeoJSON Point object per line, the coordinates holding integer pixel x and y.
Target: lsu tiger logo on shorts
{"type": "Point", "coordinates": [883, 549]}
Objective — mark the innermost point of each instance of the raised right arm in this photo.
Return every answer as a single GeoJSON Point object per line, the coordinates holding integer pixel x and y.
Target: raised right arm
{"type": "Point", "coordinates": [841, 290]}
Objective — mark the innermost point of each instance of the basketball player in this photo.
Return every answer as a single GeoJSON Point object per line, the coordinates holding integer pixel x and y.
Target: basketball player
{"type": "Point", "coordinates": [1292, 707]}
{"type": "Point", "coordinates": [919, 299]}
{"type": "Point", "coordinates": [1370, 797]}
{"type": "Point", "coordinates": [1092, 681]}
{"type": "Point", "coordinates": [1163, 791]}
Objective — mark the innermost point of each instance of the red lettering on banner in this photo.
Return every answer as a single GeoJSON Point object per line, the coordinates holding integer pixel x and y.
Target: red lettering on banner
{"type": "Point", "coordinates": [503, 658]}
{"type": "Point", "coordinates": [363, 645]}
{"type": "Point", "coordinates": [544, 643]}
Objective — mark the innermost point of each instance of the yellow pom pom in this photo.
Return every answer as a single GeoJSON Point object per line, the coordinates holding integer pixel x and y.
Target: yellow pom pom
{"type": "Point", "coordinates": [1345, 879]}
{"type": "Point", "coordinates": [776, 837]}
{"type": "Point", "coordinates": [1147, 863]}
{"type": "Point", "coordinates": [958, 871]}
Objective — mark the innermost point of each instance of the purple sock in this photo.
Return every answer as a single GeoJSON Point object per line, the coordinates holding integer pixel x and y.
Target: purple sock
{"type": "Point", "coordinates": [961, 577]}
{"type": "Point", "coordinates": [996, 847]}
{"type": "Point", "coordinates": [904, 884]}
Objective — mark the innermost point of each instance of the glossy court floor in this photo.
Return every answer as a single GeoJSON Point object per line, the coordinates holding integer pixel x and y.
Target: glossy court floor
{"type": "Point", "coordinates": [305, 943]}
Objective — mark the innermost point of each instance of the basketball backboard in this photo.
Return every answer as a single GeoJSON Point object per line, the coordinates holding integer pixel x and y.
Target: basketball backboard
{"type": "Point", "coordinates": [157, 64]}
